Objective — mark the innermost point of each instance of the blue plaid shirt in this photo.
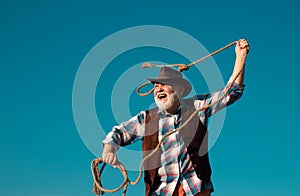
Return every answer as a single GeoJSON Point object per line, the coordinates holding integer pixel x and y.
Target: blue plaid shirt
{"type": "Point", "coordinates": [176, 164]}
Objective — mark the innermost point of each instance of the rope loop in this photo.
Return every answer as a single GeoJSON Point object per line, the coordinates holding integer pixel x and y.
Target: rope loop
{"type": "Point", "coordinates": [98, 188]}
{"type": "Point", "coordinates": [138, 89]}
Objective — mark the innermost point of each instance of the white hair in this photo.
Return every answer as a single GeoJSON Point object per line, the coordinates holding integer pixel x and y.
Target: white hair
{"type": "Point", "coordinates": [167, 105]}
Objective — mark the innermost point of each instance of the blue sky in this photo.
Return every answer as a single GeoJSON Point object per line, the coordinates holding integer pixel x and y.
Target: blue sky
{"type": "Point", "coordinates": [43, 44]}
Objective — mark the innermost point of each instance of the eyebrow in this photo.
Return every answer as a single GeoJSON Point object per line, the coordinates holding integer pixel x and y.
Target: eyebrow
{"type": "Point", "coordinates": [154, 83]}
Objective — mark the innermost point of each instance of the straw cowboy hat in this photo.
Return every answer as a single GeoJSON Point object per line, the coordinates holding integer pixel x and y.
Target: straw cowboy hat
{"type": "Point", "coordinates": [173, 78]}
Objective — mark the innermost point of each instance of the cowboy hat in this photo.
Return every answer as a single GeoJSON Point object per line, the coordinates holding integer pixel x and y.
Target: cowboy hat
{"type": "Point", "coordinates": [173, 78]}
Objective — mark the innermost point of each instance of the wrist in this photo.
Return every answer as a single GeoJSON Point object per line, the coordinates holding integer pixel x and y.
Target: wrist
{"type": "Point", "coordinates": [241, 54]}
{"type": "Point", "coordinates": [241, 57]}
{"type": "Point", "coordinates": [108, 148]}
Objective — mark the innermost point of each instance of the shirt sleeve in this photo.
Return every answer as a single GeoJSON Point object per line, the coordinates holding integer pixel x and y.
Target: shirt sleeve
{"type": "Point", "coordinates": [127, 132]}
{"type": "Point", "coordinates": [234, 93]}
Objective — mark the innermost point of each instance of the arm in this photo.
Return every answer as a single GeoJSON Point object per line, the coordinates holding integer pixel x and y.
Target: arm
{"type": "Point", "coordinates": [236, 91]}
{"type": "Point", "coordinates": [241, 50]}
{"type": "Point", "coordinates": [122, 135]}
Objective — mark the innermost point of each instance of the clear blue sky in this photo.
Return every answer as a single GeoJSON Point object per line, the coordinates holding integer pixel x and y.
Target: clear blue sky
{"type": "Point", "coordinates": [43, 43]}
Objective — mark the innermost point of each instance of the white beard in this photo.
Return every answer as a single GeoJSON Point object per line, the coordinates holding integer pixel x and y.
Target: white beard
{"type": "Point", "coordinates": [168, 104]}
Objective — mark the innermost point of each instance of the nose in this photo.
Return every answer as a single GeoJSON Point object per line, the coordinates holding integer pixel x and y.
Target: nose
{"type": "Point", "coordinates": [158, 88]}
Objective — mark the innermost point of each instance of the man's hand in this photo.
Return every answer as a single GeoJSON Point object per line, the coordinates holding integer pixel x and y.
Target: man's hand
{"type": "Point", "coordinates": [242, 47]}
{"type": "Point", "coordinates": [241, 50]}
{"type": "Point", "coordinates": [109, 156]}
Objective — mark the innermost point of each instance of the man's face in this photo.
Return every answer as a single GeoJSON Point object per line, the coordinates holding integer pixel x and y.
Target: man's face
{"type": "Point", "coordinates": [164, 96]}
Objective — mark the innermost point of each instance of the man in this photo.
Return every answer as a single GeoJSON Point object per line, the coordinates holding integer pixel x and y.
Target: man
{"type": "Point", "coordinates": [181, 167]}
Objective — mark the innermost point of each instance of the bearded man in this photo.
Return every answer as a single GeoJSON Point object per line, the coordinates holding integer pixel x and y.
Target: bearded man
{"type": "Point", "coordinates": [181, 167]}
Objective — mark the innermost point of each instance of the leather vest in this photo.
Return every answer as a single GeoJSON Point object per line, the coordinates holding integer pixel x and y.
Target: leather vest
{"type": "Point", "coordinates": [195, 139]}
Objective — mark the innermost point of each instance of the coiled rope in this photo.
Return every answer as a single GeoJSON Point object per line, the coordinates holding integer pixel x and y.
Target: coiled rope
{"type": "Point", "coordinates": [98, 188]}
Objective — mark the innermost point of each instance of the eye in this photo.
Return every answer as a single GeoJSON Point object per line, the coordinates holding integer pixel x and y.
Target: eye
{"type": "Point", "coordinates": [158, 85]}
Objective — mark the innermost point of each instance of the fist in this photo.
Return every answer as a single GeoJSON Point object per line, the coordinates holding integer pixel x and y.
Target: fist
{"type": "Point", "coordinates": [110, 158]}
{"type": "Point", "coordinates": [242, 47]}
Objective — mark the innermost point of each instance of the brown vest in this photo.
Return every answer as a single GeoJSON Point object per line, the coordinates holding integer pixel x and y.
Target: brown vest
{"type": "Point", "coordinates": [194, 136]}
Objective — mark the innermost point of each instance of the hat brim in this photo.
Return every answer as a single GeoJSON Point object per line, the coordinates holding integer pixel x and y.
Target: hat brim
{"type": "Point", "coordinates": [173, 82]}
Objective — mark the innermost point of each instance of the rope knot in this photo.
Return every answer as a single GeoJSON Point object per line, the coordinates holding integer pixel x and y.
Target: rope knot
{"type": "Point", "coordinates": [182, 67]}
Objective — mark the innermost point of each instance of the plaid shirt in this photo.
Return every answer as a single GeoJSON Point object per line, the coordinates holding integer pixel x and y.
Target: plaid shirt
{"type": "Point", "coordinates": [176, 163]}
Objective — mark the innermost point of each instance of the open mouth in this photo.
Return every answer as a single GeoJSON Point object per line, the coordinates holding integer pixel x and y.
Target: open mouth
{"type": "Point", "coordinates": [161, 95]}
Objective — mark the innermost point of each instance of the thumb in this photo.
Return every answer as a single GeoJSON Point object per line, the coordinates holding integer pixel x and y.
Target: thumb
{"type": "Point", "coordinates": [116, 165]}
{"type": "Point", "coordinates": [115, 161]}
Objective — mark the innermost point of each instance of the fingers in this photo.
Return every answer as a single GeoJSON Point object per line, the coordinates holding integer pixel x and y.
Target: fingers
{"type": "Point", "coordinates": [243, 44]}
{"type": "Point", "coordinates": [110, 158]}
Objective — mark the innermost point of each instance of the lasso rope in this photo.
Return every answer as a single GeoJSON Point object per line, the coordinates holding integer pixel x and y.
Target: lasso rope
{"type": "Point", "coordinates": [181, 67]}
{"type": "Point", "coordinates": [98, 189]}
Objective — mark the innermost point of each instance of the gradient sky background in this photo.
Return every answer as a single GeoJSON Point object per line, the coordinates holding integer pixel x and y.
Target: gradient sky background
{"type": "Point", "coordinates": [44, 42]}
